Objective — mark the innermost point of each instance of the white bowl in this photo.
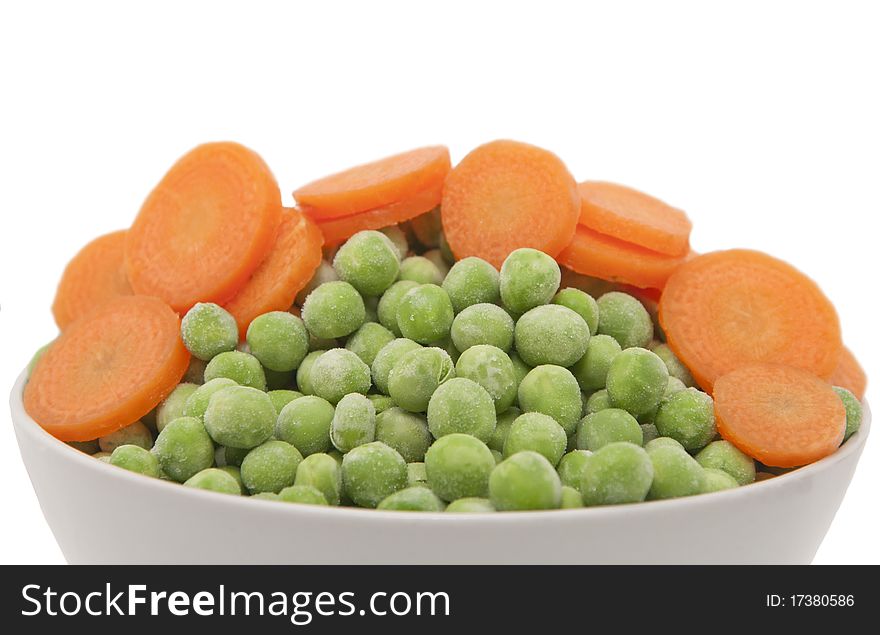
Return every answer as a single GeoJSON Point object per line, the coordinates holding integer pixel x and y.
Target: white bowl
{"type": "Point", "coordinates": [102, 514]}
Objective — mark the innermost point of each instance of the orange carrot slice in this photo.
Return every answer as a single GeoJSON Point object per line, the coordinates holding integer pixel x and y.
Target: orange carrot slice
{"type": "Point", "coordinates": [505, 195]}
{"type": "Point", "coordinates": [377, 184]}
{"type": "Point", "coordinates": [204, 230]}
{"type": "Point", "coordinates": [849, 374]}
{"type": "Point", "coordinates": [108, 369]}
{"type": "Point", "coordinates": [336, 230]}
{"type": "Point", "coordinates": [727, 309]}
{"type": "Point", "coordinates": [288, 268]}
{"type": "Point", "coordinates": [594, 254]}
{"type": "Point", "coordinates": [95, 275]}
{"type": "Point", "coordinates": [634, 217]}
{"type": "Point", "coordinates": [780, 415]}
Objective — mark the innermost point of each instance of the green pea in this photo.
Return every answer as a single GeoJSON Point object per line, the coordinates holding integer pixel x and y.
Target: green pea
{"type": "Point", "coordinates": [381, 402]}
{"type": "Point", "coordinates": [135, 459]}
{"type": "Point", "coordinates": [581, 303]}
{"type": "Point", "coordinates": [676, 473]}
{"type": "Point", "coordinates": [591, 369]}
{"type": "Point", "coordinates": [195, 372]}
{"type": "Point", "coordinates": [240, 417]}
{"type": "Point", "coordinates": [302, 494]}
{"type": "Point", "coordinates": [552, 390]}
{"type": "Point", "coordinates": [386, 359]}
{"type": "Point", "coordinates": [174, 405]}
{"type": "Point", "coordinates": [520, 368]}
{"type": "Point", "coordinates": [371, 308]}
{"type": "Point", "coordinates": [416, 474]}
{"type": "Point", "coordinates": [625, 319]}
{"type": "Point", "coordinates": [608, 426]}
{"type": "Point", "coordinates": [571, 468]}
{"type": "Point", "coordinates": [214, 480]}
{"type": "Point", "coordinates": [416, 375]}
{"type": "Point", "coordinates": [322, 472]}
{"type": "Point", "coordinates": [458, 466]}
{"type": "Point", "coordinates": [599, 400]}
{"type": "Point", "coordinates": [662, 442]}
{"type": "Point", "coordinates": [242, 368]}
{"type": "Point", "coordinates": [497, 456]}
{"type": "Point", "coordinates": [502, 428]}
{"type": "Point", "coordinates": [524, 481]}
{"type": "Point", "coordinates": [304, 372]}
{"type": "Point", "coordinates": [368, 340]}
{"type": "Point", "coordinates": [482, 324]}
{"type": "Point", "coordinates": [354, 422]}
{"type": "Point", "coordinates": [420, 270]}
{"type": "Point", "coordinates": [305, 423]}
{"type": "Point", "coordinates": [492, 369]}
{"type": "Point", "coordinates": [636, 380]}
{"type": "Point", "coordinates": [413, 499]}
{"type": "Point", "coordinates": [436, 256]}
{"type": "Point", "coordinates": [270, 467]}
{"type": "Point", "coordinates": [470, 505]}
{"type": "Point", "coordinates": [853, 411]}
{"type": "Point", "coordinates": [105, 458]}
{"type": "Point", "coordinates": [267, 496]}
{"type": "Point", "coordinates": [337, 373]}
{"type": "Point", "coordinates": [334, 309]}
{"type": "Point", "coordinates": [372, 472]}
{"type": "Point", "coordinates": [197, 403]}
{"type": "Point", "coordinates": [673, 385]}
{"type": "Point", "coordinates": [398, 238]}
{"type": "Point", "coordinates": [618, 473]}
{"type": "Point", "coordinates": [324, 273]}
{"type": "Point", "coordinates": [717, 480]}
{"type": "Point", "coordinates": [649, 432]}
{"type": "Point", "coordinates": [571, 498]}
{"type": "Point", "coordinates": [472, 281]}
{"type": "Point", "coordinates": [460, 405]}
{"type": "Point", "coordinates": [234, 456]}
{"type": "Point", "coordinates": [281, 398]}
{"type": "Point", "coordinates": [723, 455]}
{"type": "Point", "coordinates": [183, 448]}
{"type": "Point", "coordinates": [322, 343]}
{"type": "Point", "coordinates": [369, 261]}
{"type": "Point", "coordinates": [673, 365]}
{"type": "Point", "coordinates": [688, 417]}
{"type": "Point", "coordinates": [424, 314]}
{"type": "Point", "coordinates": [539, 433]}
{"type": "Point", "coordinates": [390, 302]}
{"type": "Point", "coordinates": [135, 434]}
{"type": "Point", "coordinates": [406, 432]}
{"type": "Point", "coordinates": [279, 340]}
{"type": "Point", "coordinates": [235, 473]}
{"type": "Point", "coordinates": [529, 278]}
{"type": "Point", "coordinates": [427, 228]}
{"type": "Point", "coordinates": [445, 250]}
{"type": "Point", "coordinates": [551, 334]}
{"type": "Point", "coordinates": [208, 330]}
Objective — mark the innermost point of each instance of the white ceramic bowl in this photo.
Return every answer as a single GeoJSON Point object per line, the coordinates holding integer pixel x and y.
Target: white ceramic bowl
{"type": "Point", "coordinates": [102, 514]}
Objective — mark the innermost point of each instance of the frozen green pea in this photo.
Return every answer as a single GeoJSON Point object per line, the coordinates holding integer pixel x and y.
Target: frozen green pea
{"type": "Point", "coordinates": [617, 474]}
{"type": "Point", "coordinates": [387, 358]}
{"type": "Point", "coordinates": [470, 505]}
{"type": "Point", "coordinates": [461, 406]}
{"type": "Point", "coordinates": [406, 432]}
{"type": "Point", "coordinates": [381, 402]}
{"type": "Point", "coordinates": [436, 256]}
{"type": "Point", "coordinates": [420, 270]}
{"type": "Point", "coordinates": [198, 401]}
{"type": "Point", "coordinates": [389, 303]}
{"type": "Point", "coordinates": [591, 369]}
{"type": "Point", "coordinates": [305, 423]}
{"type": "Point", "coordinates": [715, 480]}
{"type": "Point", "coordinates": [723, 455]}
{"type": "Point", "coordinates": [135, 434]}
{"type": "Point", "coordinates": [520, 368]}
{"type": "Point", "coordinates": [427, 228]}
{"type": "Point", "coordinates": [398, 238]}
{"type": "Point", "coordinates": [416, 474]}
{"type": "Point", "coordinates": [195, 372]}
{"type": "Point", "coordinates": [183, 448]}
{"type": "Point", "coordinates": [581, 303]}
{"type": "Point", "coordinates": [371, 310]}
{"type": "Point", "coordinates": [322, 343]}
{"type": "Point", "coordinates": [525, 481]}
{"type": "Point", "coordinates": [322, 472]}
{"type": "Point", "coordinates": [636, 380]}
{"type": "Point", "coordinates": [528, 278]}
{"type": "Point", "coordinates": [853, 411]}
{"type": "Point", "coordinates": [449, 347]}
{"type": "Point", "coordinates": [372, 472]}
{"type": "Point", "coordinates": [281, 398]}
{"type": "Point", "coordinates": [270, 467]}
{"type": "Point", "coordinates": [234, 456]}
{"type": "Point", "coordinates": [354, 422]}
{"type": "Point", "coordinates": [539, 433]}
{"type": "Point", "coordinates": [413, 499]}
{"type": "Point", "coordinates": [687, 416]}
{"type": "Point", "coordinates": [302, 494]}
{"type": "Point", "coordinates": [662, 442]}
{"type": "Point", "coordinates": [502, 428]}
{"type": "Point", "coordinates": [102, 456]}
{"type": "Point", "coordinates": [304, 372]}
{"type": "Point", "coordinates": [337, 373]}
{"type": "Point", "coordinates": [135, 459]}
{"type": "Point", "coordinates": [424, 314]}
{"type": "Point", "coordinates": [673, 365]}
{"type": "Point", "coordinates": [235, 472]}
{"type": "Point", "coordinates": [482, 324]}
{"type": "Point", "coordinates": [368, 340]}
{"type": "Point", "coordinates": [369, 261]}
{"type": "Point", "coordinates": [174, 405]}
{"type": "Point", "coordinates": [324, 273]}
{"type": "Point", "coordinates": [214, 480]}
{"type": "Point", "coordinates": [552, 390]}
{"type": "Point", "coordinates": [446, 250]}
{"type": "Point", "coordinates": [625, 319]}
{"type": "Point", "coordinates": [334, 309]}
{"type": "Point", "coordinates": [240, 417]}
{"type": "Point", "coordinates": [208, 330]}
{"type": "Point", "coordinates": [88, 447]}
{"type": "Point", "coordinates": [551, 334]}
{"type": "Point", "coordinates": [673, 385]}
{"type": "Point", "coordinates": [492, 369]}
{"type": "Point", "coordinates": [571, 498]}
{"type": "Point", "coordinates": [649, 433]}
{"type": "Point", "coordinates": [472, 281]}
{"type": "Point", "coordinates": [279, 340]}
{"type": "Point", "coordinates": [597, 401]}
{"type": "Point", "coordinates": [608, 426]}
{"type": "Point", "coordinates": [458, 466]}
{"type": "Point", "coordinates": [572, 466]}
{"type": "Point", "coordinates": [416, 375]}
{"type": "Point", "coordinates": [266, 496]}
{"type": "Point", "coordinates": [242, 368]}
{"type": "Point", "coordinates": [497, 456]}
{"type": "Point", "coordinates": [676, 473]}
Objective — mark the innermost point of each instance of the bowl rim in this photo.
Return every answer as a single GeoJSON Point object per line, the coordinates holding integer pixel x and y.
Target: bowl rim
{"type": "Point", "coordinates": [24, 422]}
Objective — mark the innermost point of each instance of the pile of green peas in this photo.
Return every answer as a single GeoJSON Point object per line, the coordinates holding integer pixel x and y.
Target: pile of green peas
{"type": "Point", "coordinates": [417, 383]}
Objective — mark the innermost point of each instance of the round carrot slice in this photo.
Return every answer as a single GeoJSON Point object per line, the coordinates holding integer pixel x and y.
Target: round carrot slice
{"type": "Point", "coordinates": [849, 374]}
{"type": "Point", "coordinates": [728, 309]}
{"type": "Point", "coordinates": [108, 369]}
{"type": "Point", "coordinates": [288, 268]}
{"type": "Point", "coordinates": [780, 415]}
{"type": "Point", "coordinates": [377, 184]}
{"type": "Point", "coordinates": [594, 254]}
{"type": "Point", "coordinates": [634, 217]}
{"type": "Point", "coordinates": [205, 228]}
{"type": "Point", "coordinates": [505, 195]}
{"type": "Point", "coordinates": [95, 275]}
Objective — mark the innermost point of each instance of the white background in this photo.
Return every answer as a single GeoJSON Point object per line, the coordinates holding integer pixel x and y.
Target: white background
{"type": "Point", "coordinates": [761, 119]}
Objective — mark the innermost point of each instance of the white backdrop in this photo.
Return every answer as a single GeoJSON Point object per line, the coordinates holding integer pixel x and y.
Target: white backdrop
{"type": "Point", "coordinates": [761, 120]}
